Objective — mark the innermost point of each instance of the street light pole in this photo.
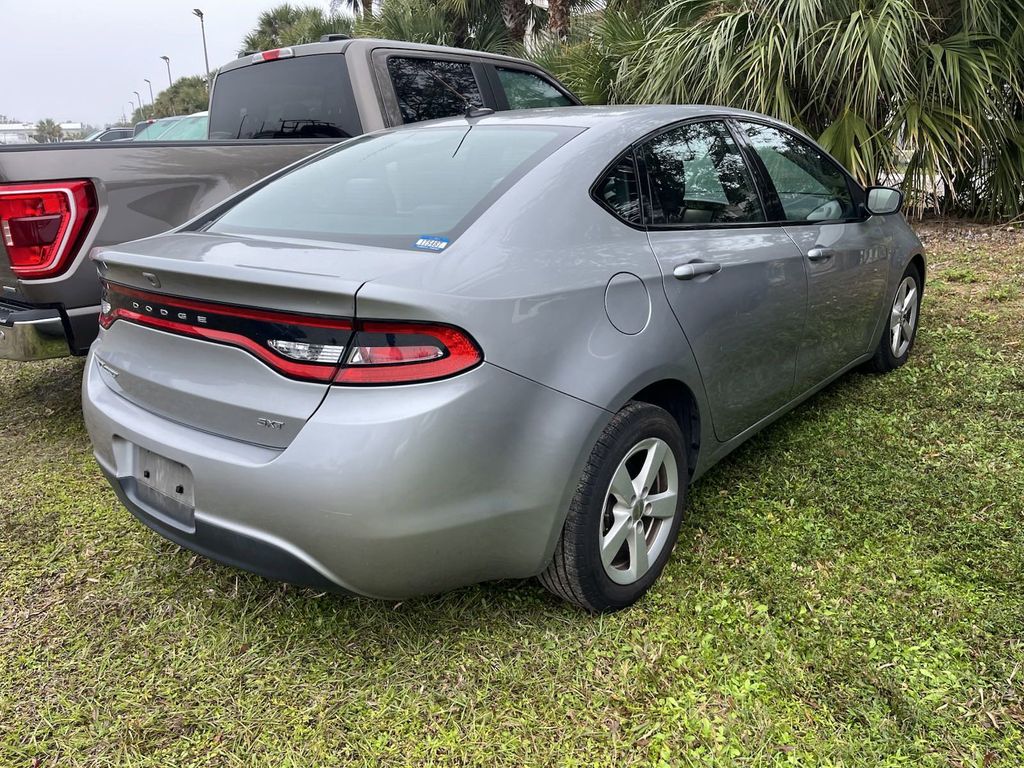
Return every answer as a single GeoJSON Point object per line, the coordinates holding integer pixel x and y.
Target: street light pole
{"type": "Point", "coordinates": [152, 101]}
{"type": "Point", "coordinates": [142, 110]}
{"type": "Point", "coordinates": [167, 61]}
{"type": "Point", "coordinates": [206, 58]}
{"type": "Point", "coordinates": [132, 105]}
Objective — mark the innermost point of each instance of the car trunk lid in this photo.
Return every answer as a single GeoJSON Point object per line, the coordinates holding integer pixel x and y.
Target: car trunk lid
{"type": "Point", "coordinates": [235, 336]}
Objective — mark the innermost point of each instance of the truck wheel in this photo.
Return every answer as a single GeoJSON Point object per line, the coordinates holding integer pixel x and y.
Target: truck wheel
{"type": "Point", "coordinates": [625, 516]}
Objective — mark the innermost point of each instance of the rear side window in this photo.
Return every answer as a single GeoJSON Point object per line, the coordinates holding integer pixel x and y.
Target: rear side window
{"type": "Point", "coordinates": [810, 186]}
{"type": "Point", "coordinates": [619, 192]}
{"type": "Point", "coordinates": [404, 189]}
{"type": "Point", "coordinates": [306, 97]}
{"type": "Point", "coordinates": [698, 176]}
{"type": "Point", "coordinates": [525, 90]}
{"type": "Point", "coordinates": [428, 89]}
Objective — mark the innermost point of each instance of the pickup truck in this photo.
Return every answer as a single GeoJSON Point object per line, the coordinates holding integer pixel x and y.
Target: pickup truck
{"type": "Point", "coordinates": [267, 110]}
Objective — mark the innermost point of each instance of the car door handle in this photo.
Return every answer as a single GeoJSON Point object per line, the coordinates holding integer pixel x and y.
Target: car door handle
{"type": "Point", "coordinates": [820, 254]}
{"type": "Point", "coordinates": [695, 269]}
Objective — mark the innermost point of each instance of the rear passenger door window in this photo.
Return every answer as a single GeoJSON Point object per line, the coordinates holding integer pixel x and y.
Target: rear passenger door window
{"type": "Point", "coordinates": [697, 175]}
{"type": "Point", "coordinates": [526, 90]}
{"type": "Point", "coordinates": [619, 192]}
{"type": "Point", "coordinates": [809, 185]}
{"type": "Point", "coordinates": [428, 89]}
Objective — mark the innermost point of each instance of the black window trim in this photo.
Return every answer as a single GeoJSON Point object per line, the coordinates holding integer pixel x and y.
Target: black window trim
{"type": "Point", "coordinates": [387, 96]}
{"type": "Point", "coordinates": [501, 98]}
{"type": "Point", "coordinates": [645, 183]}
{"type": "Point", "coordinates": [640, 226]}
{"type": "Point", "coordinates": [853, 187]}
{"type": "Point", "coordinates": [765, 188]}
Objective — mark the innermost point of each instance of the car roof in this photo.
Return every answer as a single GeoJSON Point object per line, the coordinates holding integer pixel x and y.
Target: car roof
{"type": "Point", "coordinates": [617, 125]}
{"type": "Point", "coordinates": [642, 118]}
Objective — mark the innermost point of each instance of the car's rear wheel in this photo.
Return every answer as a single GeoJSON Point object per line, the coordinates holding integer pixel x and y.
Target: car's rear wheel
{"type": "Point", "coordinates": [624, 519]}
{"type": "Point", "coordinates": [901, 324]}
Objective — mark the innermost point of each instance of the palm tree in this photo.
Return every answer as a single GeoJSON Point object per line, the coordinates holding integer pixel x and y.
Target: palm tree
{"type": "Point", "coordinates": [185, 96]}
{"type": "Point", "coordinates": [559, 18]}
{"type": "Point", "coordinates": [926, 93]}
{"type": "Point", "coordinates": [48, 131]}
{"type": "Point", "coordinates": [362, 8]}
{"type": "Point", "coordinates": [477, 24]}
{"type": "Point", "coordinates": [288, 24]}
{"type": "Point", "coordinates": [516, 15]}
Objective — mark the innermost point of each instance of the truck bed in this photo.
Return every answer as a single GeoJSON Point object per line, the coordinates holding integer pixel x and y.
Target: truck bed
{"type": "Point", "coordinates": [142, 189]}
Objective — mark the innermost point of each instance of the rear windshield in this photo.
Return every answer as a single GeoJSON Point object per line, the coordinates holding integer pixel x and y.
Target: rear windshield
{"type": "Point", "coordinates": [416, 189]}
{"type": "Point", "coordinates": [306, 97]}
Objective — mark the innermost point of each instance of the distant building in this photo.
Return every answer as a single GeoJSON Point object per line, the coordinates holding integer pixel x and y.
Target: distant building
{"type": "Point", "coordinates": [17, 133]}
{"type": "Point", "coordinates": [24, 133]}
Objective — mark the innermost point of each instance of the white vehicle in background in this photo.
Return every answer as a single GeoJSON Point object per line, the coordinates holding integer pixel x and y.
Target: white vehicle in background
{"type": "Point", "coordinates": [192, 127]}
{"type": "Point", "coordinates": [16, 138]}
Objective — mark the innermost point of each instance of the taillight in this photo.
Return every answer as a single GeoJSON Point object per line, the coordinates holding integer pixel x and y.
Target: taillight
{"type": "Point", "coordinates": [305, 347]}
{"type": "Point", "coordinates": [43, 225]}
{"type": "Point", "coordinates": [308, 347]}
{"type": "Point", "coordinates": [402, 353]}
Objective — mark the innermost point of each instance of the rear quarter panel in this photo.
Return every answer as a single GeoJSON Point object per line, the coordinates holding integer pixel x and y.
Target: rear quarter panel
{"type": "Point", "coordinates": [528, 280]}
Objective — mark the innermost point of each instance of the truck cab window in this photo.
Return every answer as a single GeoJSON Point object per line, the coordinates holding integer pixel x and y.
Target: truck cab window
{"type": "Point", "coordinates": [525, 90]}
{"type": "Point", "coordinates": [428, 89]}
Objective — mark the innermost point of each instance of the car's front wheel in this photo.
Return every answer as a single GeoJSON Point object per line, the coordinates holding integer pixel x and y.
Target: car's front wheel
{"type": "Point", "coordinates": [624, 519]}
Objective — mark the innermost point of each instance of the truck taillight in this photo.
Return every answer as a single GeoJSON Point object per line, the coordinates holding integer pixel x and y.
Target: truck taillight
{"type": "Point", "coordinates": [43, 225]}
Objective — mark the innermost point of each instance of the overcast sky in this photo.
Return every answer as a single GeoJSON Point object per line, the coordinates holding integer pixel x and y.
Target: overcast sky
{"type": "Point", "coordinates": [73, 60]}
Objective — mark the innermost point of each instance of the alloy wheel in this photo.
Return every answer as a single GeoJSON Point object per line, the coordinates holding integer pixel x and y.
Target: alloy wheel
{"type": "Point", "coordinates": [639, 507]}
{"type": "Point", "coordinates": [903, 317]}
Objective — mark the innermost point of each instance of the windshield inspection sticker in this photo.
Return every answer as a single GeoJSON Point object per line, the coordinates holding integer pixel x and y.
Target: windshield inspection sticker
{"type": "Point", "coordinates": [432, 243]}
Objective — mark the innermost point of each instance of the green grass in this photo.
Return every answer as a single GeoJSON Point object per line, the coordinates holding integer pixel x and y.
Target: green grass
{"type": "Point", "coordinates": [961, 275]}
{"type": "Point", "coordinates": [846, 591]}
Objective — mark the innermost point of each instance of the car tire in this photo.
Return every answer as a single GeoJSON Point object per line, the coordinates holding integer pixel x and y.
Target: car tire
{"type": "Point", "coordinates": [590, 567]}
{"type": "Point", "coordinates": [901, 323]}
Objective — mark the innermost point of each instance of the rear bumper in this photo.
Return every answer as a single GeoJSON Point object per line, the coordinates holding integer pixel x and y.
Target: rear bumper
{"type": "Point", "coordinates": [387, 492]}
{"type": "Point", "coordinates": [223, 544]}
{"type": "Point", "coordinates": [31, 334]}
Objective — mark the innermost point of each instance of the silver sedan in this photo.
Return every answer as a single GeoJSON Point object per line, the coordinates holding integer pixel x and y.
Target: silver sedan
{"type": "Point", "coordinates": [488, 347]}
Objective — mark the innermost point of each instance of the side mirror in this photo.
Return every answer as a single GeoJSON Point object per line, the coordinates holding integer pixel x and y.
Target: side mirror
{"type": "Point", "coordinates": [884, 200]}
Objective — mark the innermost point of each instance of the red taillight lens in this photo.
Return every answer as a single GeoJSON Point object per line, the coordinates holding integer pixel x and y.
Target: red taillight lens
{"type": "Point", "coordinates": [402, 353]}
{"type": "Point", "coordinates": [43, 225]}
{"type": "Point", "coordinates": [308, 347]}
